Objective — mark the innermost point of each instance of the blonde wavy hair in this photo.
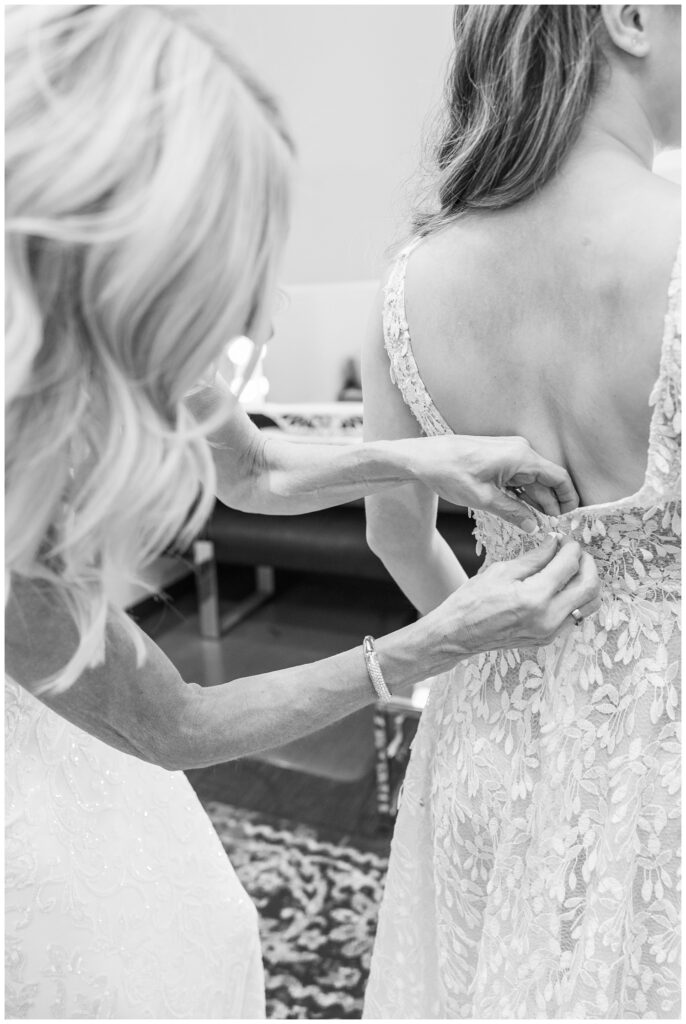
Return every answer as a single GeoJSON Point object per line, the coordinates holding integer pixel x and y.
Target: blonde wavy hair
{"type": "Point", "coordinates": [147, 200]}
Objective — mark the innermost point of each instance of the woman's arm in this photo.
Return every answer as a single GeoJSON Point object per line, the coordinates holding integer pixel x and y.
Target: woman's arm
{"type": "Point", "coordinates": [275, 476]}
{"type": "Point", "coordinates": [401, 523]}
{"type": "Point", "coordinates": [150, 712]}
{"type": "Point", "coordinates": [402, 533]}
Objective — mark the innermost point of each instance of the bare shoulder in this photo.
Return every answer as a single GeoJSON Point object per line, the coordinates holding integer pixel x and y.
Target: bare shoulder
{"type": "Point", "coordinates": [663, 200]}
{"type": "Point", "coordinates": [664, 193]}
{"type": "Point", "coordinates": [632, 231]}
{"type": "Point", "coordinates": [648, 225]}
{"type": "Point", "coordinates": [449, 266]}
{"type": "Point", "coordinates": [453, 248]}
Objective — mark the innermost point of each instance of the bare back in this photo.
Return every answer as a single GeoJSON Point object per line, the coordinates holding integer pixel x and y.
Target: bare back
{"type": "Point", "coordinates": [546, 320]}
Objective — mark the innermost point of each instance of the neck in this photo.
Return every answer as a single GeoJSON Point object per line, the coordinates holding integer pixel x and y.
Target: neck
{"type": "Point", "coordinates": [618, 125]}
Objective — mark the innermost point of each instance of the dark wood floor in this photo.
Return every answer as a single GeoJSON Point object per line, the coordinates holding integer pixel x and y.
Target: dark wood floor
{"type": "Point", "coordinates": [327, 779]}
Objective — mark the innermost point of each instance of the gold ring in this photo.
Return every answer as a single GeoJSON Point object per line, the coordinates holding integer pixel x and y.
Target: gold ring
{"type": "Point", "coordinates": [577, 616]}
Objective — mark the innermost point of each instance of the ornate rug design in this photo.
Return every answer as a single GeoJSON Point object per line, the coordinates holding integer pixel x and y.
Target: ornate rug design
{"type": "Point", "coordinates": [318, 905]}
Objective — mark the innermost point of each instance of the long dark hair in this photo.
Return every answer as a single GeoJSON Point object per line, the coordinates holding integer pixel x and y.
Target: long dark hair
{"type": "Point", "coordinates": [520, 82]}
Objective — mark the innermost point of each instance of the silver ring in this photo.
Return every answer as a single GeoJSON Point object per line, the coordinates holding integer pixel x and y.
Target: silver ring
{"type": "Point", "coordinates": [577, 616]}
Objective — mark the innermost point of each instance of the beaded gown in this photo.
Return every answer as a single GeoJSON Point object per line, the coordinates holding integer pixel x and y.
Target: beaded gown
{"type": "Point", "coordinates": [535, 864]}
{"type": "Point", "coordinates": [120, 901]}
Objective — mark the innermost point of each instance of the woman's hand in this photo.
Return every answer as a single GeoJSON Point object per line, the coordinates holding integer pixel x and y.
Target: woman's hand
{"type": "Point", "coordinates": [522, 603]}
{"type": "Point", "coordinates": [280, 477]}
{"type": "Point", "coordinates": [480, 472]}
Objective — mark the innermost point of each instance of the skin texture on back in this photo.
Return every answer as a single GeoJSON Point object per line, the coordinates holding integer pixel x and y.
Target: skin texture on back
{"type": "Point", "coordinates": [546, 319]}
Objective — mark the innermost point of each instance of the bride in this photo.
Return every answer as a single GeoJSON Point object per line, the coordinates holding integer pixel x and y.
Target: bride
{"type": "Point", "coordinates": [535, 863]}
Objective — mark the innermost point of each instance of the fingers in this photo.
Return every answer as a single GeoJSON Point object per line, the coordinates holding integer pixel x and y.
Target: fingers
{"type": "Point", "coordinates": [559, 481]}
{"type": "Point", "coordinates": [587, 609]}
{"type": "Point", "coordinates": [584, 610]}
{"type": "Point", "coordinates": [582, 592]}
{"type": "Point", "coordinates": [591, 607]}
{"type": "Point", "coordinates": [512, 510]}
{"type": "Point", "coordinates": [534, 561]}
{"type": "Point", "coordinates": [571, 578]}
{"type": "Point", "coordinates": [564, 567]}
{"type": "Point", "coordinates": [543, 498]}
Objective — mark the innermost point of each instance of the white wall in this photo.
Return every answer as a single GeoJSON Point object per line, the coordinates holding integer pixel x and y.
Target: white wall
{"type": "Point", "coordinates": [357, 84]}
{"type": "Point", "coordinates": [318, 331]}
{"type": "Point", "coordinates": [668, 165]}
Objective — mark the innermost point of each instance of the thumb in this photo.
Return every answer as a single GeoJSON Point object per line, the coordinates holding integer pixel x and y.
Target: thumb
{"type": "Point", "coordinates": [513, 511]}
{"type": "Point", "coordinates": [535, 560]}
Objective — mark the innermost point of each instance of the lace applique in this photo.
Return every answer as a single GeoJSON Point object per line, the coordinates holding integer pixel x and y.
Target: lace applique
{"type": "Point", "coordinates": [403, 368]}
{"type": "Point", "coordinates": [664, 466]}
{"type": "Point", "coordinates": [535, 867]}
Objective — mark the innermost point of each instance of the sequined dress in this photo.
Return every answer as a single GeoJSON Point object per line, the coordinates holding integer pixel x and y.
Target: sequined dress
{"type": "Point", "coordinates": [120, 901]}
{"type": "Point", "coordinates": [535, 863]}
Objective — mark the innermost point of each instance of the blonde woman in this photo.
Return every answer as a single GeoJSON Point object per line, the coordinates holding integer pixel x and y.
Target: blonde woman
{"type": "Point", "coordinates": [535, 862]}
{"type": "Point", "coordinates": [147, 202]}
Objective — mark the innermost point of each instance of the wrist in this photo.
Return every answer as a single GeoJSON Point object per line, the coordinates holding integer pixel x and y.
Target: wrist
{"type": "Point", "coordinates": [446, 638]}
{"type": "Point", "coordinates": [414, 653]}
{"type": "Point", "coordinates": [376, 676]}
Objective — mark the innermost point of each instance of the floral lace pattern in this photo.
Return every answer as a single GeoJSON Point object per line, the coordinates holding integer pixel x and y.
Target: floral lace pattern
{"type": "Point", "coordinates": [535, 867]}
{"type": "Point", "coordinates": [120, 901]}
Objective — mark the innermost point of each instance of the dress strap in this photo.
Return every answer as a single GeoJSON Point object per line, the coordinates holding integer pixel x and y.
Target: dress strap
{"type": "Point", "coordinates": [403, 368]}
{"type": "Point", "coordinates": [664, 455]}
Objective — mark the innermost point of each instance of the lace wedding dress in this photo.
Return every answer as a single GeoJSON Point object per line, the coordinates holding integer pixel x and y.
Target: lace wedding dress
{"type": "Point", "coordinates": [535, 863]}
{"type": "Point", "coordinates": [120, 901]}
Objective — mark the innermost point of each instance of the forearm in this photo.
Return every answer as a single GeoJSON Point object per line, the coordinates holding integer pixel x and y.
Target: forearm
{"type": "Point", "coordinates": [427, 573]}
{"type": "Point", "coordinates": [151, 713]}
{"type": "Point", "coordinates": [276, 476]}
{"type": "Point", "coordinates": [257, 713]}
{"type": "Point", "coordinates": [303, 477]}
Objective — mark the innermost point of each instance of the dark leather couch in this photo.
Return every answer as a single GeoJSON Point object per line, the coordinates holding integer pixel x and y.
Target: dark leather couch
{"type": "Point", "coordinates": [330, 541]}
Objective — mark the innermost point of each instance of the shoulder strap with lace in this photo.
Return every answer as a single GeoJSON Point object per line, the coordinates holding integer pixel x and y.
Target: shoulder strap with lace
{"type": "Point", "coordinates": [403, 368]}
{"type": "Point", "coordinates": [664, 455]}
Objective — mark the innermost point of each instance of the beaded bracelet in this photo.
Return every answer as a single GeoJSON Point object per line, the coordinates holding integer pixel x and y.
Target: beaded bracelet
{"type": "Point", "coordinates": [374, 671]}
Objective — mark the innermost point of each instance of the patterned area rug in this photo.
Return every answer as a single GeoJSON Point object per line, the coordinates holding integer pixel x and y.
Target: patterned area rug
{"type": "Point", "coordinates": [318, 905]}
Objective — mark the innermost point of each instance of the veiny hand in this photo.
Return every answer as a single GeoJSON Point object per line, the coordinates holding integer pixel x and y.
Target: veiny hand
{"type": "Point", "coordinates": [522, 603]}
{"type": "Point", "coordinates": [478, 471]}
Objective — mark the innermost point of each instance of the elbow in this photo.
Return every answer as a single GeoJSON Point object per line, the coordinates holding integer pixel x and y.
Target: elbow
{"type": "Point", "coordinates": [166, 752]}
{"type": "Point", "coordinates": [386, 536]}
{"type": "Point", "coordinates": [235, 499]}
{"type": "Point", "coordinates": [171, 761]}
{"type": "Point", "coordinates": [184, 760]}
{"type": "Point", "coordinates": [191, 738]}
{"type": "Point", "coordinates": [239, 493]}
{"type": "Point", "coordinates": [174, 742]}
{"type": "Point", "coordinates": [386, 544]}
{"type": "Point", "coordinates": [243, 488]}
{"type": "Point", "coordinates": [162, 752]}
{"type": "Point", "coordinates": [374, 540]}
{"type": "Point", "coordinates": [397, 542]}
{"type": "Point", "coordinates": [175, 756]}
